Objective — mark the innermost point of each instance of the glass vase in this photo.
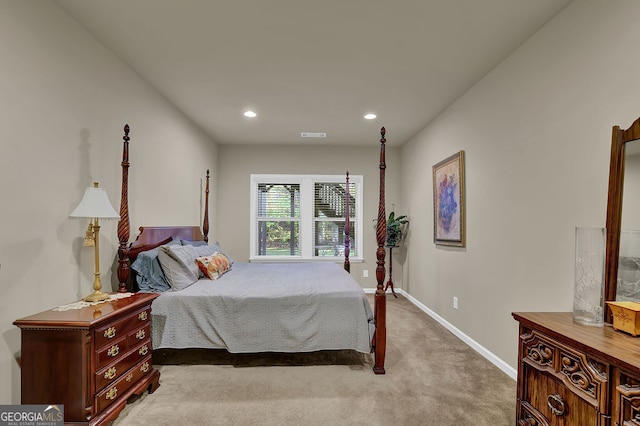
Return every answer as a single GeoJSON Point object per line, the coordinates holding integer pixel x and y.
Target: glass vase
{"type": "Point", "coordinates": [588, 294]}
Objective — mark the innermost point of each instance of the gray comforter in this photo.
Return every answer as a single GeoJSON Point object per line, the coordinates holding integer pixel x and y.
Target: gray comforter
{"type": "Point", "coordinates": [258, 307]}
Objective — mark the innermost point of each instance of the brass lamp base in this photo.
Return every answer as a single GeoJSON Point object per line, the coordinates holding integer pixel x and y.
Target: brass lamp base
{"type": "Point", "coordinates": [96, 296]}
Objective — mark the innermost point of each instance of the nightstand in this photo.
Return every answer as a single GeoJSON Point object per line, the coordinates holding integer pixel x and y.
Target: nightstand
{"type": "Point", "coordinates": [91, 360]}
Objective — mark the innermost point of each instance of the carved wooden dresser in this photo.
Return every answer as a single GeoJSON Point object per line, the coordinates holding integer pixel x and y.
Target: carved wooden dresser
{"type": "Point", "coordinates": [91, 360]}
{"type": "Point", "coordinates": [573, 374]}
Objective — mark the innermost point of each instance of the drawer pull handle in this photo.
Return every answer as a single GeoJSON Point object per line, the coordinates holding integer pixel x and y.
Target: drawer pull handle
{"type": "Point", "coordinates": [110, 373]}
{"type": "Point", "coordinates": [142, 316]}
{"type": "Point", "coordinates": [143, 350]}
{"type": "Point", "coordinates": [129, 377]}
{"type": "Point", "coordinates": [144, 367]}
{"type": "Point", "coordinates": [110, 333]}
{"type": "Point", "coordinates": [556, 404]}
{"type": "Point", "coordinates": [140, 335]}
{"type": "Point", "coordinates": [113, 350]}
{"type": "Point", "coordinates": [113, 392]}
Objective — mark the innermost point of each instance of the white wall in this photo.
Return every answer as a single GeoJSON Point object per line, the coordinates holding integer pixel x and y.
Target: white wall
{"type": "Point", "coordinates": [537, 134]}
{"type": "Point", "coordinates": [65, 100]}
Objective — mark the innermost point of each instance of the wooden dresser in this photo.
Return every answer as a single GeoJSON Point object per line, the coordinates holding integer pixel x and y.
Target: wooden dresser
{"type": "Point", "coordinates": [91, 360]}
{"type": "Point", "coordinates": [573, 374]}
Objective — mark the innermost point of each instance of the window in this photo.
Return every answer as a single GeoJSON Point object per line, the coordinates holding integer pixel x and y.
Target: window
{"type": "Point", "coordinates": [278, 209]}
{"type": "Point", "coordinates": [302, 217]}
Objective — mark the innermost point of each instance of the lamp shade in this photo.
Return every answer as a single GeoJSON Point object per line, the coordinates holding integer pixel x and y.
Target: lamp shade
{"type": "Point", "coordinates": [95, 204]}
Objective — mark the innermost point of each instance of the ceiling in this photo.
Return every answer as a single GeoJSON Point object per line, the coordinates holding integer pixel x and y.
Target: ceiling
{"type": "Point", "coordinates": [312, 65]}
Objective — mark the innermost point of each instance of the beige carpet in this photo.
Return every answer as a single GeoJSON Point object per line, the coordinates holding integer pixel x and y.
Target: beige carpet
{"type": "Point", "coordinates": [432, 379]}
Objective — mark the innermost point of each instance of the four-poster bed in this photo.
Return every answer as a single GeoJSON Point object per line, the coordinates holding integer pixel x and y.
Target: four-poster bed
{"type": "Point", "coordinates": [331, 310]}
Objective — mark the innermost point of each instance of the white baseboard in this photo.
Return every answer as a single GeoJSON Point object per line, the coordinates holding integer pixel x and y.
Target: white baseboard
{"type": "Point", "coordinates": [506, 368]}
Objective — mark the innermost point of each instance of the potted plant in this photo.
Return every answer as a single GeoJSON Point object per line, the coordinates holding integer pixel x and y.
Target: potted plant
{"type": "Point", "coordinates": [395, 227]}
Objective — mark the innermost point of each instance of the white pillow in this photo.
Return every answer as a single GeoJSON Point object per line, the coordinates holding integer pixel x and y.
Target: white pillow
{"type": "Point", "coordinates": [179, 265]}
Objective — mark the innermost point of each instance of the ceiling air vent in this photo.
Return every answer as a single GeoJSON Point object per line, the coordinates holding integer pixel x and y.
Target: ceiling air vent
{"type": "Point", "coordinates": [313, 135]}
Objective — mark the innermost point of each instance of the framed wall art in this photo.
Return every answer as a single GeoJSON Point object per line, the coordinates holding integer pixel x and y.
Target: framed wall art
{"type": "Point", "coordinates": [449, 201]}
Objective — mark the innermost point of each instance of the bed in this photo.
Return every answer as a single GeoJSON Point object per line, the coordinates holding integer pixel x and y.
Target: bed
{"type": "Point", "coordinates": [207, 300]}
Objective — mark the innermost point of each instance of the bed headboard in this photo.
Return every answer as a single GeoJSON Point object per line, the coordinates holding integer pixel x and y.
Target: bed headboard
{"type": "Point", "coordinates": [153, 236]}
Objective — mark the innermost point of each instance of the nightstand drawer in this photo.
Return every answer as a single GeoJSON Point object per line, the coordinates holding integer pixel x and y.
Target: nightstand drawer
{"type": "Point", "coordinates": [136, 336]}
{"type": "Point", "coordinates": [120, 386]}
{"type": "Point", "coordinates": [112, 372]}
{"type": "Point", "coordinates": [111, 352]}
{"type": "Point", "coordinates": [107, 334]}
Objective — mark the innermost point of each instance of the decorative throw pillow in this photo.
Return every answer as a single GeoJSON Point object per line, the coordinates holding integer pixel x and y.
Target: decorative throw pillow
{"type": "Point", "coordinates": [214, 266]}
{"type": "Point", "coordinates": [209, 249]}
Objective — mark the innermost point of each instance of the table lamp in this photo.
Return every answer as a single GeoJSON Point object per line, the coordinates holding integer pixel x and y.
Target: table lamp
{"type": "Point", "coordinates": [95, 205]}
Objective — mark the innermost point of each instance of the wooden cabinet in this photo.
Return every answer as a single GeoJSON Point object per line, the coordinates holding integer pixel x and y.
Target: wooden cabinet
{"type": "Point", "coordinates": [91, 360]}
{"type": "Point", "coordinates": [572, 374]}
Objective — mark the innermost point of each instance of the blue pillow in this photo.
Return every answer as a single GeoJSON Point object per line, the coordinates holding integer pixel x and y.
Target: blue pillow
{"type": "Point", "coordinates": [149, 275]}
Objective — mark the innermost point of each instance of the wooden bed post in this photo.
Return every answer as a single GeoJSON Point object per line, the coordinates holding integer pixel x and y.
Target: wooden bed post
{"type": "Point", "coordinates": [123, 224]}
{"type": "Point", "coordinates": [205, 222]}
{"type": "Point", "coordinates": [347, 227]}
{"type": "Point", "coordinates": [380, 308]}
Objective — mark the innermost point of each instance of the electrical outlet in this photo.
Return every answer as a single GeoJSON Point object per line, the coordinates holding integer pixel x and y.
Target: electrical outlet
{"type": "Point", "coordinates": [365, 273]}
{"type": "Point", "coordinates": [455, 302]}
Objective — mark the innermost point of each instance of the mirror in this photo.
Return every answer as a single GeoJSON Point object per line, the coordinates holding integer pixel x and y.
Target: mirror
{"type": "Point", "coordinates": [623, 247]}
{"type": "Point", "coordinates": [628, 279]}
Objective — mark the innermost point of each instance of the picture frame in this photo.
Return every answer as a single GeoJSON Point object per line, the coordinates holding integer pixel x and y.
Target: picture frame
{"type": "Point", "coordinates": [449, 210]}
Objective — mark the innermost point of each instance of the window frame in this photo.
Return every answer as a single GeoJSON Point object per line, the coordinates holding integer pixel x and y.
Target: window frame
{"type": "Point", "coordinates": [307, 218]}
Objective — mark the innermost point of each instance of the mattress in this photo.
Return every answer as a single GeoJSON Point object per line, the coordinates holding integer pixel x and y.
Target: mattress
{"type": "Point", "coordinates": [267, 307]}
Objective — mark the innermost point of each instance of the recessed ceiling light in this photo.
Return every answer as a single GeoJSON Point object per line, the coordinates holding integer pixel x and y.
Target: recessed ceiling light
{"type": "Point", "coordinates": [250, 114]}
{"type": "Point", "coordinates": [370, 116]}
